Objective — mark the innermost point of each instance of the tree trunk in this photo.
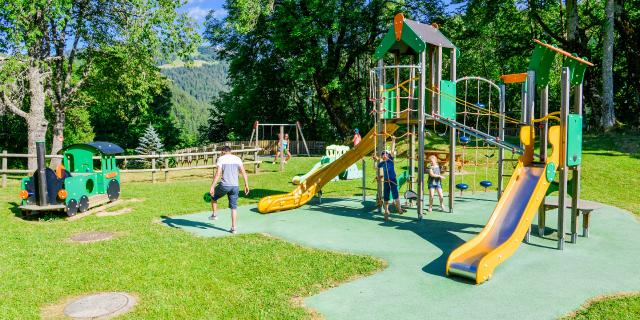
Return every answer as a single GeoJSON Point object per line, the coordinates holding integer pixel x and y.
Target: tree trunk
{"type": "Point", "coordinates": [608, 118]}
{"type": "Point", "coordinates": [58, 135]}
{"type": "Point", "coordinates": [36, 121]}
{"type": "Point", "coordinates": [572, 25]}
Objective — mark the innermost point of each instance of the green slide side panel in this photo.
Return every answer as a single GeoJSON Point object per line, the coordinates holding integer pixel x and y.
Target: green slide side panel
{"type": "Point", "coordinates": [389, 102]}
{"type": "Point", "coordinates": [574, 140]}
{"type": "Point", "coordinates": [447, 99]}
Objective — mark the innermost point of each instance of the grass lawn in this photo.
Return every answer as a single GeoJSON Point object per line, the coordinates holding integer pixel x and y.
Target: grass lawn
{"type": "Point", "coordinates": [177, 275]}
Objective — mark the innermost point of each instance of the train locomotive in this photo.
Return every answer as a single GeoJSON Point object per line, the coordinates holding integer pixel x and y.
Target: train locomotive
{"type": "Point", "coordinates": [88, 177]}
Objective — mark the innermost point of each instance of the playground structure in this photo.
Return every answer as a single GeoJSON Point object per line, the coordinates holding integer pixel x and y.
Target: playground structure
{"type": "Point", "coordinates": [78, 184]}
{"type": "Point", "coordinates": [436, 102]}
{"type": "Point", "coordinates": [332, 153]}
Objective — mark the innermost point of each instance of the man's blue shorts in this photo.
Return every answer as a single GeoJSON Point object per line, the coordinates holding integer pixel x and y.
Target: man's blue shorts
{"type": "Point", "coordinates": [230, 191]}
{"type": "Point", "coordinates": [390, 188]}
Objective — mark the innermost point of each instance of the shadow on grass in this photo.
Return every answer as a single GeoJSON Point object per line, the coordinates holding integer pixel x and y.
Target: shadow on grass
{"type": "Point", "coordinates": [36, 215]}
{"type": "Point", "coordinates": [180, 223]}
{"type": "Point", "coordinates": [437, 232]}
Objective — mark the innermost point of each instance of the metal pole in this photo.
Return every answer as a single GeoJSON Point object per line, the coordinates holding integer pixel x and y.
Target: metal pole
{"type": "Point", "coordinates": [438, 74]}
{"type": "Point", "coordinates": [42, 178]}
{"type": "Point", "coordinates": [297, 140]}
{"type": "Point", "coordinates": [501, 137]}
{"type": "Point", "coordinates": [280, 138]}
{"type": "Point", "coordinates": [421, 110]}
{"type": "Point", "coordinates": [544, 131]}
{"type": "Point", "coordinates": [364, 181]}
{"type": "Point", "coordinates": [452, 138]}
{"type": "Point", "coordinates": [531, 97]}
{"type": "Point", "coordinates": [577, 172]}
{"type": "Point", "coordinates": [379, 141]}
{"type": "Point", "coordinates": [529, 112]}
{"type": "Point", "coordinates": [544, 143]}
{"type": "Point", "coordinates": [564, 112]}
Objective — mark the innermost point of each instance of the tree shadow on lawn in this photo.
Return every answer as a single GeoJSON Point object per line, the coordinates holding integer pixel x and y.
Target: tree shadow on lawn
{"type": "Point", "coordinates": [437, 232]}
{"type": "Point", "coordinates": [179, 223]}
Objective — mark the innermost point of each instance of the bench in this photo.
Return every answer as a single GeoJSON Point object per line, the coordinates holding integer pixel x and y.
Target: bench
{"type": "Point", "coordinates": [443, 158]}
{"type": "Point", "coordinates": [585, 208]}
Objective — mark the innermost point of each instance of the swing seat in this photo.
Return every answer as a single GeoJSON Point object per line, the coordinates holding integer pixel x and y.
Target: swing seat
{"type": "Point", "coordinates": [486, 184]}
{"type": "Point", "coordinates": [462, 186]}
{"type": "Point", "coordinates": [410, 195]}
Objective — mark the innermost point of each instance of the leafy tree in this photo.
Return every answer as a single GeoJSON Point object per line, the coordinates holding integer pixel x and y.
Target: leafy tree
{"type": "Point", "coordinates": [51, 46]}
{"type": "Point", "coordinates": [284, 55]}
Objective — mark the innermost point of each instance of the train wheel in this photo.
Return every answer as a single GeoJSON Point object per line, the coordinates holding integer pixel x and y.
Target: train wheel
{"type": "Point", "coordinates": [84, 204]}
{"type": "Point", "coordinates": [113, 190]}
{"type": "Point", "coordinates": [72, 207]}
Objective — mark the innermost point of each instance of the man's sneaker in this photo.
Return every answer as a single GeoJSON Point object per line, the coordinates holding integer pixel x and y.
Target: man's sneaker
{"type": "Point", "coordinates": [232, 230]}
{"type": "Point", "coordinates": [213, 217]}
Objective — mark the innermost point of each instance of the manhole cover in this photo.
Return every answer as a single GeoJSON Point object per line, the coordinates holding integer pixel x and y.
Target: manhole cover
{"type": "Point", "coordinates": [100, 306]}
{"type": "Point", "coordinates": [92, 236]}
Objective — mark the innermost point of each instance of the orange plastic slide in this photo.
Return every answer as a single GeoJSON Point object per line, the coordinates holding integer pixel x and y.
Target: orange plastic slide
{"type": "Point", "coordinates": [477, 258]}
{"type": "Point", "coordinates": [305, 191]}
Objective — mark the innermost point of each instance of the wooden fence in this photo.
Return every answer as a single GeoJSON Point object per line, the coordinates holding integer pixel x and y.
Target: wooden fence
{"type": "Point", "coordinates": [158, 163]}
{"type": "Point", "coordinates": [268, 147]}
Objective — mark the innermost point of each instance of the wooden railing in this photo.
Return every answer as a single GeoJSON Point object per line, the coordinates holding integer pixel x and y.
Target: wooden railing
{"type": "Point", "coordinates": [158, 162]}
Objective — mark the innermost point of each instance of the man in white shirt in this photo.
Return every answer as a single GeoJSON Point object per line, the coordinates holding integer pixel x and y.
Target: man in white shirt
{"type": "Point", "coordinates": [228, 166]}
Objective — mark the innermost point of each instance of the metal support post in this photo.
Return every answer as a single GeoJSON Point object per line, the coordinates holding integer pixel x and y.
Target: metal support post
{"type": "Point", "coordinates": [576, 175]}
{"type": "Point", "coordinates": [564, 112]}
{"type": "Point", "coordinates": [501, 137]}
{"type": "Point", "coordinates": [421, 115]}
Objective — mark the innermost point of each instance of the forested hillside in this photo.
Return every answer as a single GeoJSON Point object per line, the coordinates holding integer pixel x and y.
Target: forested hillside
{"type": "Point", "coordinates": [192, 88]}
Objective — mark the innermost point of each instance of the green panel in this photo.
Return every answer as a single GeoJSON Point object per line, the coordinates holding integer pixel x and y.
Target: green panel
{"type": "Point", "coordinates": [541, 62]}
{"type": "Point", "coordinates": [387, 42]}
{"type": "Point", "coordinates": [448, 99]}
{"type": "Point", "coordinates": [79, 159]}
{"type": "Point", "coordinates": [409, 38]}
{"type": "Point", "coordinates": [389, 103]}
{"type": "Point", "coordinates": [402, 179]}
{"type": "Point", "coordinates": [550, 171]}
{"type": "Point", "coordinates": [574, 140]}
{"type": "Point", "coordinates": [81, 185]}
{"type": "Point", "coordinates": [536, 57]}
{"type": "Point", "coordinates": [576, 70]}
{"type": "Point", "coordinates": [544, 68]}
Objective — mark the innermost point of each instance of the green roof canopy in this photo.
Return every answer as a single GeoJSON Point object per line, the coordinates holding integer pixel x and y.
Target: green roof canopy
{"type": "Point", "coordinates": [410, 36]}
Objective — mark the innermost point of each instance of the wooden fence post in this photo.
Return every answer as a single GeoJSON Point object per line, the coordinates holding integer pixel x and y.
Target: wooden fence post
{"type": "Point", "coordinates": [166, 171]}
{"type": "Point", "coordinates": [153, 170]}
{"type": "Point", "coordinates": [4, 167]}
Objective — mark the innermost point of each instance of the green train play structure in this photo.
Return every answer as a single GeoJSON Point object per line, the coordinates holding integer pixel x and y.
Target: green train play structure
{"type": "Point", "coordinates": [87, 178]}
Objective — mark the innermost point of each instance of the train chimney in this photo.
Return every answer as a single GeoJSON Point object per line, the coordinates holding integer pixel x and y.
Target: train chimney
{"type": "Point", "coordinates": [42, 178]}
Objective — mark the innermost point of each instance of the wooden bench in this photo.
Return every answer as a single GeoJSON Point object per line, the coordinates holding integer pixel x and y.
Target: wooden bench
{"type": "Point", "coordinates": [585, 208]}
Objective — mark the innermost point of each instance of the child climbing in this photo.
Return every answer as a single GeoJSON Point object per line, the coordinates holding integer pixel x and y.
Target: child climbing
{"type": "Point", "coordinates": [390, 183]}
{"type": "Point", "coordinates": [435, 182]}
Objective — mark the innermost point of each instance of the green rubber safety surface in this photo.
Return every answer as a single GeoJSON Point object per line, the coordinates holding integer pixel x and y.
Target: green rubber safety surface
{"type": "Point", "coordinates": [537, 282]}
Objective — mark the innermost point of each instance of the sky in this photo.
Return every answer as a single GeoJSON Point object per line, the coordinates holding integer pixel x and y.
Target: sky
{"type": "Point", "coordinates": [198, 9]}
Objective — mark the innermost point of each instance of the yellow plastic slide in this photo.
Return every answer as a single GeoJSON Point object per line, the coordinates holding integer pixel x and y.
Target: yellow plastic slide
{"type": "Point", "coordinates": [477, 258]}
{"type": "Point", "coordinates": [305, 191]}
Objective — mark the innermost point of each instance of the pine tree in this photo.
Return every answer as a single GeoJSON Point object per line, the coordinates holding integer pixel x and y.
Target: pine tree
{"type": "Point", "coordinates": [150, 143]}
